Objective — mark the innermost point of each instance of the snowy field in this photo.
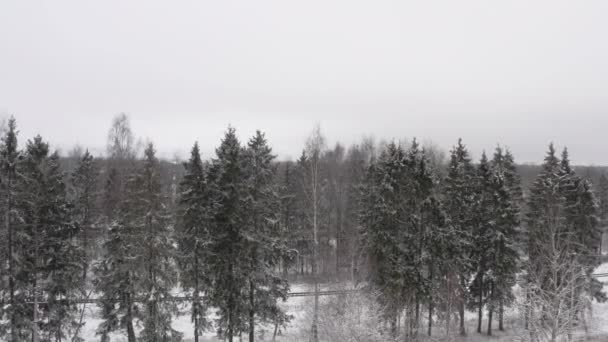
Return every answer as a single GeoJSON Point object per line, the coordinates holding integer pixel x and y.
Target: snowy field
{"type": "Point", "coordinates": [301, 309]}
{"type": "Point", "coordinates": [298, 307]}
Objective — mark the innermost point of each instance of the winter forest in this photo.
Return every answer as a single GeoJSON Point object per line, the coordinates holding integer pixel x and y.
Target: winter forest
{"type": "Point", "coordinates": [378, 241]}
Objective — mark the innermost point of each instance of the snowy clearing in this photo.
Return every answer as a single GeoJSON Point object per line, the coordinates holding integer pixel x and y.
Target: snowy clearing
{"type": "Point", "coordinates": [301, 308]}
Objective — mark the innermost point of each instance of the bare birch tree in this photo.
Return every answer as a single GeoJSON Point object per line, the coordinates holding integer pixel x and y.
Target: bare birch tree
{"type": "Point", "coordinates": [315, 145]}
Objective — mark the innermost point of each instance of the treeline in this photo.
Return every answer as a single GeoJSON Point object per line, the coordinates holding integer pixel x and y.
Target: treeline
{"type": "Point", "coordinates": [430, 238]}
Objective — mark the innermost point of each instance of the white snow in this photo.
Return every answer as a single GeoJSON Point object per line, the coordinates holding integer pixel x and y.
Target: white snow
{"type": "Point", "coordinates": [600, 310]}
{"type": "Point", "coordinates": [296, 306]}
{"type": "Point", "coordinates": [603, 268]}
{"type": "Point", "coordinates": [301, 308]}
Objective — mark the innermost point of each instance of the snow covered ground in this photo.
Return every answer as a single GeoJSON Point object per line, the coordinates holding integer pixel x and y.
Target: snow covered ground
{"type": "Point", "coordinates": [298, 307]}
{"type": "Point", "coordinates": [301, 309]}
{"type": "Point", "coordinates": [599, 321]}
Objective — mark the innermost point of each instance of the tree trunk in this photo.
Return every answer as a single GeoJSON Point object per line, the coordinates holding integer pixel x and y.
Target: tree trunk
{"type": "Point", "coordinates": [527, 310]}
{"type": "Point", "coordinates": [353, 261]}
{"type": "Point", "coordinates": [230, 331]}
{"type": "Point", "coordinates": [85, 269]}
{"type": "Point", "coordinates": [463, 331]}
{"type": "Point", "coordinates": [490, 311]}
{"type": "Point", "coordinates": [572, 314]}
{"type": "Point", "coordinates": [85, 246]}
{"type": "Point", "coordinates": [417, 317]}
{"type": "Point", "coordinates": [129, 320]}
{"type": "Point", "coordinates": [406, 323]}
{"type": "Point", "coordinates": [430, 322]}
{"type": "Point", "coordinates": [501, 312]}
{"type": "Point", "coordinates": [196, 325]}
{"type": "Point", "coordinates": [11, 275]}
{"type": "Point", "coordinates": [58, 334]}
{"type": "Point", "coordinates": [35, 288]}
{"type": "Point", "coordinates": [251, 311]}
{"type": "Point", "coordinates": [231, 305]}
{"type": "Point", "coordinates": [449, 311]}
{"type": "Point", "coordinates": [420, 266]}
{"type": "Point", "coordinates": [315, 270]}
{"type": "Point", "coordinates": [532, 330]}
{"type": "Point", "coordinates": [81, 319]}
{"type": "Point", "coordinates": [276, 329]}
{"type": "Point", "coordinates": [461, 308]}
{"type": "Point", "coordinates": [285, 267]}
{"type": "Point", "coordinates": [411, 319]}
{"type": "Point", "coordinates": [490, 308]}
{"type": "Point", "coordinates": [480, 303]}
{"type": "Point", "coordinates": [315, 319]}
{"type": "Point", "coordinates": [601, 240]}
{"type": "Point", "coordinates": [196, 301]}
{"type": "Point", "coordinates": [338, 238]}
{"type": "Point", "coordinates": [35, 318]}
{"type": "Point", "coordinates": [431, 279]}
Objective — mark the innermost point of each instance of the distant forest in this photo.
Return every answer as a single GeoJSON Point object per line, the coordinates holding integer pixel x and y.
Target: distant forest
{"type": "Point", "coordinates": [173, 168]}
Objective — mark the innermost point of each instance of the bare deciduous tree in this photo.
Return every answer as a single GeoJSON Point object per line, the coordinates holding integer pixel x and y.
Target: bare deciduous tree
{"type": "Point", "coordinates": [121, 143]}
{"type": "Point", "coordinates": [556, 299]}
{"type": "Point", "coordinates": [315, 145]}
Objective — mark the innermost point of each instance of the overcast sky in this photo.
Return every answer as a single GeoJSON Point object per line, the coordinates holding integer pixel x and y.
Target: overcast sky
{"type": "Point", "coordinates": [521, 73]}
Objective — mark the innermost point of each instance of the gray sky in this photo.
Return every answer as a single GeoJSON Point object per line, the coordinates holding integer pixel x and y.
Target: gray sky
{"type": "Point", "coordinates": [521, 73]}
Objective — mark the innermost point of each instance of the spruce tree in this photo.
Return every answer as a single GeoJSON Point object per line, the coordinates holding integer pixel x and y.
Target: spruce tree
{"type": "Point", "coordinates": [421, 184]}
{"type": "Point", "coordinates": [504, 259]}
{"type": "Point", "coordinates": [115, 281]}
{"type": "Point", "coordinates": [290, 224]}
{"type": "Point", "coordinates": [63, 257]}
{"type": "Point", "coordinates": [390, 236]}
{"type": "Point", "coordinates": [304, 238]}
{"type": "Point", "coordinates": [544, 222]}
{"type": "Point", "coordinates": [227, 249]}
{"type": "Point", "coordinates": [512, 178]}
{"type": "Point", "coordinates": [193, 238]}
{"type": "Point", "coordinates": [336, 201]}
{"type": "Point", "coordinates": [484, 230]}
{"type": "Point", "coordinates": [49, 257]}
{"type": "Point", "coordinates": [545, 206]}
{"type": "Point", "coordinates": [263, 239]}
{"type": "Point", "coordinates": [460, 200]}
{"type": "Point", "coordinates": [10, 157]}
{"type": "Point", "coordinates": [357, 162]}
{"type": "Point", "coordinates": [400, 217]}
{"type": "Point", "coordinates": [381, 236]}
{"type": "Point", "coordinates": [583, 223]}
{"type": "Point", "coordinates": [112, 196]}
{"type": "Point", "coordinates": [150, 218]}
{"type": "Point", "coordinates": [439, 244]}
{"type": "Point", "coordinates": [32, 235]}
{"type": "Point", "coordinates": [116, 274]}
{"type": "Point", "coordinates": [84, 198]}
